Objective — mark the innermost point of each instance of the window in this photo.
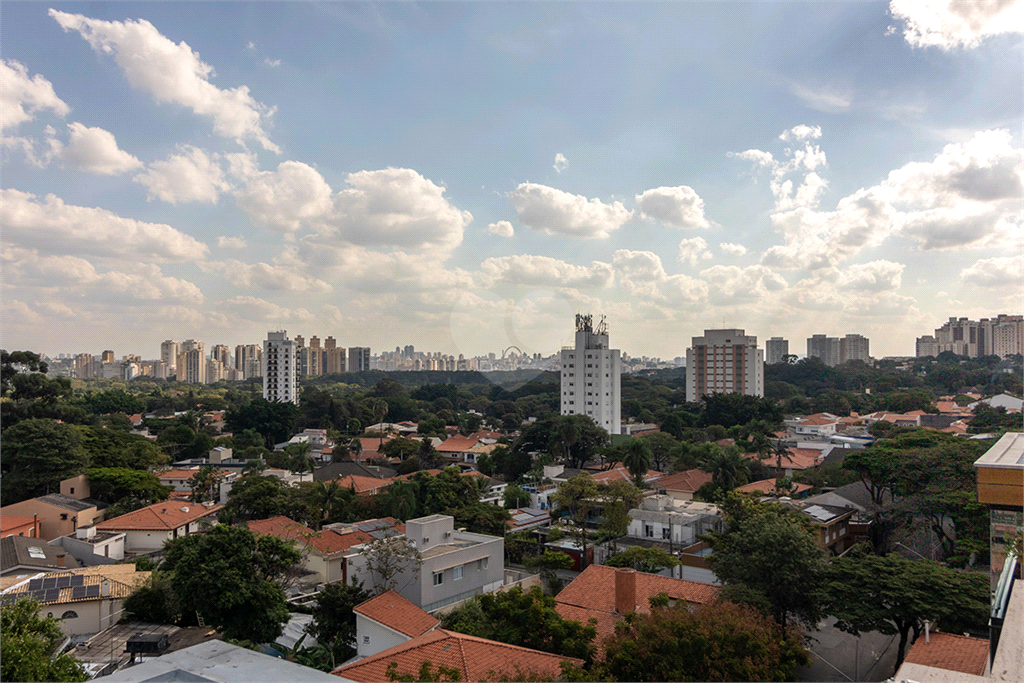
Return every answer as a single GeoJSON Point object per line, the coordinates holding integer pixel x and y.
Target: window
{"type": "Point", "coordinates": [70, 614]}
{"type": "Point", "coordinates": [438, 578]}
{"type": "Point", "coordinates": [457, 573]}
{"type": "Point", "coordinates": [366, 640]}
{"type": "Point", "coordinates": [666, 533]}
{"type": "Point", "coordinates": [482, 563]}
{"type": "Point", "coordinates": [648, 531]}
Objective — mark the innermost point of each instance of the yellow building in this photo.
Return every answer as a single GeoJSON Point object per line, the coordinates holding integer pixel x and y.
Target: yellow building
{"type": "Point", "coordinates": [1001, 488]}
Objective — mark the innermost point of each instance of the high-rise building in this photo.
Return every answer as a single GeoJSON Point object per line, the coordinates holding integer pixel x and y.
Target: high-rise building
{"type": "Point", "coordinates": [248, 360]}
{"type": "Point", "coordinates": [334, 357]}
{"type": "Point", "coordinates": [280, 368]}
{"type": "Point", "coordinates": [854, 347]}
{"type": "Point", "coordinates": [85, 366]}
{"type": "Point", "coordinates": [724, 362]}
{"type": "Point", "coordinates": [314, 358]}
{"type": "Point", "coordinates": [192, 366]}
{"type": "Point", "coordinates": [108, 356]}
{"type": "Point", "coordinates": [1002, 336]}
{"type": "Point", "coordinates": [169, 351]}
{"type": "Point", "coordinates": [824, 347]}
{"type": "Point", "coordinates": [221, 353]}
{"type": "Point", "coordinates": [775, 350]}
{"type": "Point", "coordinates": [358, 359]}
{"type": "Point", "coordinates": [592, 376]}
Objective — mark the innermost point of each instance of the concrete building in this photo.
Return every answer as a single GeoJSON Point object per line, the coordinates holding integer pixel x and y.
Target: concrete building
{"type": "Point", "coordinates": [334, 357]}
{"type": "Point", "coordinates": [1001, 487]}
{"type": "Point", "coordinates": [926, 346]}
{"type": "Point", "coordinates": [248, 360]}
{"type": "Point", "coordinates": [107, 357]}
{"type": "Point", "coordinates": [1002, 336]}
{"type": "Point", "coordinates": [58, 514]}
{"type": "Point", "coordinates": [591, 381]}
{"type": "Point", "coordinates": [280, 368]}
{"type": "Point", "coordinates": [834, 351]}
{"type": "Point", "coordinates": [220, 352]}
{"type": "Point", "coordinates": [190, 365]}
{"type": "Point", "coordinates": [724, 361]}
{"type": "Point", "coordinates": [358, 359]}
{"type": "Point", "coordinates": [147, 529]}
{"type": "Point", "coordinates": [85, 366]}
{"type": "Point", "coordinates": [854, 347]}
{"type": "Point", "coordinates": [169, 351]}
{"type": "Point", "coordinates": [775, 350]}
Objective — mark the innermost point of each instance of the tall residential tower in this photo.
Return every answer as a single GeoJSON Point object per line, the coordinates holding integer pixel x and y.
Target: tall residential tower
{"type": "Point", "coordinates": [592, 376]}
{"type": "Point", "coordinates": [724, 362]}
{"type": "Point", "coordinates": [280, 368]}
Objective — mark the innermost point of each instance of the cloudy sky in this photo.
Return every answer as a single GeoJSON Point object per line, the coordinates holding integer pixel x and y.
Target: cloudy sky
{"type": "Point", "coordinates": [463, 177]}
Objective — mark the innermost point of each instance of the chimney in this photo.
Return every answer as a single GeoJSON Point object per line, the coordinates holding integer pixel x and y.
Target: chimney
{"type": "Point", "coordinates": [625, 590]}
{"type": "Point", "coordinates": [105, 588]}
{"type": "Point", "coordinates": [60, 560]}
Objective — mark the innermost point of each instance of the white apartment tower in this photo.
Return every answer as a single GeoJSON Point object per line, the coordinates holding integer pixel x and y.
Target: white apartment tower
{"type": "Point", "coordinates": [775, 350]}
{"type": "Point", "coordinates": [280, 368]}
{"type": "Point", "coordinates": [724, 362]}
{"type": "Point", "coordinates": [592, 376]}
{"type": "Point", "coordinates": [169, 351]}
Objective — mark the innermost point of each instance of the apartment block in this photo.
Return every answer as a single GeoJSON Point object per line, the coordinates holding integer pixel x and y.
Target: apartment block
{"type": "Point", "coordinates": [724, 361]}
{"type": "Point", "coordinates": [592, 376]}
{"type": "Point", "coordinates": [835, 351]}
{"type": "Point", "coordinates": [358, 359]}
{"type": "Point", "coordinates": [1001, 336]}
{"type": "Point", "coordinates": [775, 350]}
{"type": "Point", "coordinates": [280, 368]}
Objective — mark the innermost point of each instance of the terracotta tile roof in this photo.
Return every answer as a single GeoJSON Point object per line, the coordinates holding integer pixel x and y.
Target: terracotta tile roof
{"type": "Point", "coordinates": [326, 542]}
{"type": "Point", "coordinates": [124, 580]}
{"type": "Point", "coordinates": [951, 652]}
{"type": "Point", "coordinates": [767, 486]}
{"type": "Point", "coordinates": [591, 595]}
{"type": "Point", "coordinates": [947, 406]}
{"type": "Point", "coordinates": [817, 420]}
{"type": "Point", "coordinates": [362, 484]}
{"type": "Point", "coordinates": [160, 516]}
{"type": "Point", "coordinates": [620, 473]}
{"type": "Point", "coordinates": [799, 459]}
{"type": "Point", "coordinates": [395, 612]}
{"type": "Point", "coordinates": [457, 444]}
{"type": "Point", "coordinates": [8, 522]}
{"type": "Point", "coordinates": [689, 481]}
{"type": "Point", "coordinates": [477, 659]}
{"type": "Point", "coordinates": [484, 434]}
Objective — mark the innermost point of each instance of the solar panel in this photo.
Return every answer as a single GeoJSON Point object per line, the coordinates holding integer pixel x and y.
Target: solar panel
{"type": "Point", "coordinates": [78, 592]}
{"type": "Point", "coordinates": [37, 595]}
{"type": "Point", "coordinates": [50, 583]}
{"type": "Point", "coordinates": [63, 581]}
{"type": "Point", "coordinates": [35, 584]}
{"type": "Point", "coordinates": [7, 600]}
{"type": "Point", "coordinates": [77, 580]}
{"type": "Point", "coordinates": [52, 595]}
{"type": "Point", "coordinates": [92, 591]}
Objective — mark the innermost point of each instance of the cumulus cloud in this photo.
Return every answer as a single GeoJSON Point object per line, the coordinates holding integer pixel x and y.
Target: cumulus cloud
{"type": "Point", "coordinates": [95, 150]}
{"type": "Point", "coordinates": [283, 199]}
{"type": "Point", "coordinates": [561, 163]}
{"type": "Point", "coordinates": [679, 207]}
{"type": "Point", "coordinates": [193, 176]}
{"type": "Point", "coordinates": [272, 63]}
{"type": "Point", "coordinates": [949, 24]}
{"type": "Point", "coordinates": [806, 160]}
{"type": "Point", "coordinates": [642, 274]}
{"type": "Point", "coordinates": [555, 212]}
{"type": "Point", "coordinates": [543, 271]}
{"type": "Point", "coordinates": [999, 272]}
{"type": "Point", "coordinates": [254, 308]}
{"type": "Point", "coordinates": [801, 132]}
{"type": "Point", "coordinates": [21, 97]}
{"type": "Point", "coordinates": [58, 228]}
{"type": "Point", "coordinates": [501, 229]}
{"type": "Point", "coordinates": [732, 285]}
{"type": "Point", "coordinates": [693, 250]}
{"type": "Point", "coordinates": [875, 276]}
{"type": "Point", "coordinates": [731, 248]}
{"type": "Point", "coordinates": [265, 276]}
{"type": "Point", "coordinates": [225, 242]}
{"type": "Point", "coordinates": [173, 73]}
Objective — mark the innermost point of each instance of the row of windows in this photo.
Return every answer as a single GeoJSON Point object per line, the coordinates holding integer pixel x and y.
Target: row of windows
{"type": "Point", "coordinates": [457, 572]}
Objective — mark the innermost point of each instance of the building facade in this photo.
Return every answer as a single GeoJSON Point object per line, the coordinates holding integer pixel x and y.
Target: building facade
{"type": "Point", "coordinates": [775, 350]}
{"type": "Point", "coordinates": [1001, 336]}
{"type": "Point", "coordinates": [280, 368]}
{"type": "Point", "coordinates": [724, 362]}
{"type": "Point", "coordinates": [835, 351]}
{"type": "Point", "coordinates": [591, 382]}
{"type": "Point", "coordinates": [169, 351]}
{"type": "Point", "coordinates": [358, 359]}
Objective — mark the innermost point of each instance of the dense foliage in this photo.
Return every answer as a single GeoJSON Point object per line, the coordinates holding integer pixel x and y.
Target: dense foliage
{"type": "Point", "coordinates": [29, 646]}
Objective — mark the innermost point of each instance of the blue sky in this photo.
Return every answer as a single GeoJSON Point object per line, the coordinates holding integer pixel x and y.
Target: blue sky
{"type": "Point", "coordinates": [463, 177]}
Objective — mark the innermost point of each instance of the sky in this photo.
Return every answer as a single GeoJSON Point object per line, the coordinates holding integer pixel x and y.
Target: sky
{"type": "Point", "coordinates": [465, 177]}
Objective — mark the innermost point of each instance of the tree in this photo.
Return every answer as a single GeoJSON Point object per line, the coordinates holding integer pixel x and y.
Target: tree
{"type": "Point", "coordinates": [768, 548]}
{"type": "Point", "coordinates": [650, 560]}
{"type": "Point", "coordinates": [547, 565]}
{"type": "Point", "coordinates": [380, 410]}
{"type": "Point", "coordinates": [575, 438]}
{"type": "Point", "coordinates": [154, 601]}
{"type": "Point", "coordinates": [481, 518]}
{"type": "Point", "coordinates": [617, 499]}
{"type": "Point", "coordinates": [894, 595]}
{"type": "Point", "coordinates": [637, 459]}
{"type": "Point", "coordinates": [229, 576]}
{"type": "Point", "coordinates": [662, 444]}
{"type": "Point", "coordinates": [112, 448]}
{"type": "Point", "coordinates": [334, 622]}
{"type": "Point", "coordinates": [728, 468]}
{"type": "Point", "coordinates": [720, 642]}
{"type": "Point", "coordinates": [274, 420]}
{"type": "Point", "coordinates": [576, 497]}
{"type": "Point", "coordinates": [515, 497]}
{"type": "Point", "coordinates": [328, 496]}
{"type": "Point", "coordinates": [112, 484]}
{"type": "Point", "coordinates": [400, 448]}
{"type": "Point", "coordinates": [392, 563]}
{"type": "Point", "coordinates": [36, 455]}
{"type": "Point", "coordinates": [29, 646]}
{"type": "Point", "coordinates": [427, 673]}
{"type": "Point", "coordinates": [8, 371]}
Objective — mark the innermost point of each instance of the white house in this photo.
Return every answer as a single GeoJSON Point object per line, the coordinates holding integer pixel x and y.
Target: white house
{"type": "Point", "coordinates": [148, 528]}
{"type": "Point", "coordinates": [388, 620]}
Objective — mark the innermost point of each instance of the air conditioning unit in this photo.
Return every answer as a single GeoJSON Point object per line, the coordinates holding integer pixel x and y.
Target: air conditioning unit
{"type": "Point", "coordinates": [447, 534]}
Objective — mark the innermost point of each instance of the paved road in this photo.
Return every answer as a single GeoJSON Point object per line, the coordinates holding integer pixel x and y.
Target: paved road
{"type": "Point", "coordinates": [838, 656]}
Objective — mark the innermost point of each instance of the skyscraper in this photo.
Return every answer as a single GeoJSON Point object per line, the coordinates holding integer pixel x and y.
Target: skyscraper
{"type": "Point", "coordinates": [724, 362]}
{"type": "Point", "coordinates": [775, 350]}
{"type": "Point", "coordinates": [247, 360]}
{"type": "Point", "coordinates": [280, 368]}
{"type": "Point", "coordinates": [169, 351]}
{"type": "Point", "coordinates": [358, 358]}
{"type": "Point", "coordinates": [592, 376]}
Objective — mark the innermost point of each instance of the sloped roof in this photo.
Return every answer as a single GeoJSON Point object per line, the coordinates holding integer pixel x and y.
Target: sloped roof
{"type": "Point", "coordinates": [62, 501]}
{"type": "Point", "coordinates": [951, 652]}
{"type": "Point", "coordinates": [363, 484]}
{"type": "Point", "coordinates": [397, 613]}
{"type": "Point", "coordinates": [767, 486]}
{"type": "Point", "coordinates": [456, 444]}
{"type": "Point", "coordinates": [160, 516]}
{"type": "Point", "coordinates": [14, 552]}
{"type": "Point", "coordinates": [620, 473]}
{"type": "Point", "coordinates": [124, 580]}
{"type": "Point", "coordinates": [690, 481]}
{"type": "Point", "coordinates": [8, 522]}
{"type": "Point", "coordinates": [326, 541]}
{"type": "Point", "coordinates": [477, 659]}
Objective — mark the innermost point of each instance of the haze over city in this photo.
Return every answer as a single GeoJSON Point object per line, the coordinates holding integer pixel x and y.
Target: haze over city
{"type": "Point", "coordinates": [465, 177]}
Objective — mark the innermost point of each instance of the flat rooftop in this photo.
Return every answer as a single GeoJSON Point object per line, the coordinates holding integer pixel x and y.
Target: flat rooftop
{"type": "Point", "coordinates": [1008, 452]}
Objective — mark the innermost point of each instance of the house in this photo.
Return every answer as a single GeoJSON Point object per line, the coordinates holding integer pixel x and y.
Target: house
{"type": "Point", "coordinates": [492, 491]}
{"type": "Point", "coordinates": [768, 487]}
{"type": "Point", "coordinates": [833, 523]}
{"type": "Point", "coordinates": [608, 594]}
{"type": "Point", "coordinates": [1011, 403]}
{"type": "Point", "coordinates": [323, 552]}
{"type": "Point", "coordinates": [458, 449]}
{"type": "Point", "coordinates": [387, 620]}
{"type": "Point", "coordinates": [85, 600]}
{"type": "Point", "coordinates": [146, 529]}
{"type": "Point", "coordinates": [819, 424]}
{"type": "Point", "coordinates": [795, 460]}
{"type": "Point", "coordinates": [90, 547]}
{"type": "Point", "coordinates": [456, 564]}
{"type": "Point", "coordinates": [336, 470]}
{"type": "Point", "coordinates": [620, 473]}
{"type": "Point", "coordinates": [675, 522]}
{"type": "Point", "coordinates": [364, 486]}
{"type": "Point", "coordinates": [59, 515]}
{"type": "Point", "coordinates": [476, 659]}
{"type": "Point", "coordinates": [17, 525]}
{"type": "Point", "coordinates": [683, 485]}
{"type": "Point", "coordinates": [527, 518]}
{"type": "Point", "coordinates": [23, 555]}
{"type": "Point", "coordinates": [949, 652]}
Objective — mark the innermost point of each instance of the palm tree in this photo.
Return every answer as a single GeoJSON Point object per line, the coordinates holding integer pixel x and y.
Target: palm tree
{"type": "Point", "coordinates": [254, 466]}
{"type": "Point", "coordinates": [637, 459]}
{"type": "Point", "coordinates": [728, 468]}
{"type": "Point", "coordinates": [380, 410]}
{"type": "Point", "coordinates": [780, 450]}
{"type": "Point", "coordinates": [326, 496]}
{"type": "Point", "coordinates": [356, 446]}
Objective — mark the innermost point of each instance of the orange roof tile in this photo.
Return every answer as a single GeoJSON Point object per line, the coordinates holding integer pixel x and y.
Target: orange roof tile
{"type": "Point", "coordinates": [690, 481]}
{"type": "Point", "coordinates": [799, 459]}
{"type": "Point", "coordinates": [477, 659]}
{"type": "Point", "coordinates": [363, 484]}
{"type": "Point", "coordinates": [8, 522]}
{"type": "Point", "coordinates": [951, 652]}
{"type": "Point", "coordinates": [327, 541]}
{"type": "Point", "coordinates": [397, 613]}
{"type": "Point", "coordinates": [620, 473]}
{"type": "Point", "coordinates": [163, 516]}
{"type": "Point", "coordinates": [456, 444]}
{"type": "Point", "coordinates": [817, 420]}
{"type": "Point", "coordinates": [767, 486]}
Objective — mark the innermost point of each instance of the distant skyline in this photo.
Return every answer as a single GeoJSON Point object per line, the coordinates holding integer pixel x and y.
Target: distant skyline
{"type": "Point", "coordinates": [466, 176]}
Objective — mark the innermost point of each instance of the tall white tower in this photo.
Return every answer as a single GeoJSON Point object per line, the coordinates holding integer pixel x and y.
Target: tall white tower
{"type": "Point", "coordinates": [592, 376]}
{"type": "Point", "coordinates": [280, 368]}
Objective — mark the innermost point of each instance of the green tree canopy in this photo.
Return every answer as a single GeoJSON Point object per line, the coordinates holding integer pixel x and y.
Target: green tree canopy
{"type": "Point", "coordinates": [29, 647]}
{"type": "Point", "coordinates": [334, 622]}
{"type": "Point", "coordinates": [275, 420]}
{"type": "Point", "coordinates": [36, 455]}
{"type": "Point", "coordinates": [650, 560]}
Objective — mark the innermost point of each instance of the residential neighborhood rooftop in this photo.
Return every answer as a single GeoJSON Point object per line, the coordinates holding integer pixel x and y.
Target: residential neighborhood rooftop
{"type": "Point", "coordinates": [397, 613]}
{"type": "Point", "coordinates": [160, 516]}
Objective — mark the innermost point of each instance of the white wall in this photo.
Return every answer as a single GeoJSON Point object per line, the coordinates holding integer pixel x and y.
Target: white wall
{"type": "Point", "coordinates": [381, 637]}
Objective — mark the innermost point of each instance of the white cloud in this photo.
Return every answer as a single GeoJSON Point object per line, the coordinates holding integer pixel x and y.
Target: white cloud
{"type": "Point", "coordinates": [875, 276]}
{"type": "Point", "coordinates": [272, 63]}
{"type": "Point", "coordinates": [643, 275]}
{"type": "Point", "coordinates": [801, 132]}
{"type": "Point", "coordinates": [561, 163]}
{"type": "Point", "coordinates": [501, 229]}
{"type": "Point", "coordinates": [95, 150]}
{"type": "Point", "coordinates": [225, 242]}
{"type": "Point", "coordinates": [949, 24]}
{"type": "Point", "coordinates": [555, 212]}
{"type": "Point", "coordinates": [58, 228]}
{"type": "Point", "coordinates": [679, 207]}
{"type": "Point", "coordinates": [824, 98]}
{"type": "Point", "coordinates": [21, 97]}
{"type": "Point", "coordinates": [733, 285]}
{"type": "Point", "coordinates": [734, 249]}
{"type": "Point", "coordinates": [693, 250]}
{"type": "Point", "coordinates": [283, 199]}
{"type": "Point", "coordinates": [173, 73]}
{"type": "Point", "coordinates": [806, 159]}
{"type": "Point", "coordinates": [193, 176]}
{"type": "Point", "coordinates": [1002, 271]}
{"type": "Point", "coordinates": [395, 207]}
{"type": "Point", "coordinates": [543, 271]}
{"type": "Point", "coordinates": [265, 276]}
{"type": "Point", "coordinates": [253, 308]}
{"type": "Point", "coordinates": [37, 154]}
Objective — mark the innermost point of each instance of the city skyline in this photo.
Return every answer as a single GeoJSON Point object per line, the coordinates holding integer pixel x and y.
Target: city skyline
{"type": "Point", "coordinates": [467, 177]}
